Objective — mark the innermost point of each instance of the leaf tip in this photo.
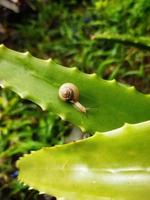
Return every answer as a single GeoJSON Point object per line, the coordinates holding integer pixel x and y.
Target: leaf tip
{"type": "Point", "coordinates": [27, 54]}
{"type": "Point", "coordinates": [74, 69]}
{"type": "Point", "coordinates": [22, 182]}
{"type": "Point", "coordinates": [4, 84]}
{"type": "Point", "coordinates": [48, 60]}
{"type": "Point", "coordinates": [147, 95]}
{"type": "Point", "coordinates": [2, 46]}
{"type": "Point", "coordinates": [94, 75]}
{"type": "Point", "coordinates": [31, 188]}
{"type": "Point", "coordinates": [82, 128]}
{"type": "Point", "coordinates": [24, 95]}
{"type": "Point", "coordinates": [126, 125]}
{"type": "Point", "coordinates": [32, 151]}
{"type": "Point", "coordinates": [44, 107]}
{"type": "Point", "coordinates": [132, 88]}
{"type": "Point", "coordinates": [41, 193]}
{"type": "Point", "coordinates": [62, 116]}
{"type": "Point", "coordinates": [25, 185]}
{"type": "Point", "coordinates": [113, 81]}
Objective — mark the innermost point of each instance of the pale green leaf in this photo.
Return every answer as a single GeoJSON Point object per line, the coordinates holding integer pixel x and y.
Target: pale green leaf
{"type": "Point", "coordinates": [109, 104]}
{"type": "Point", "coordinates": [110, 165]}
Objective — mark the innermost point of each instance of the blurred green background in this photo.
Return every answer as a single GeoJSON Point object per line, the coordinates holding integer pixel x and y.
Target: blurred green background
{"type": "Point", "coordinates": [63, 30]}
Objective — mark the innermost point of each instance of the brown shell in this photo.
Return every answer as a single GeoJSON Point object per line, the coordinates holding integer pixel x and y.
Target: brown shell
{"type": "Point", "coordinates": [69, 92]}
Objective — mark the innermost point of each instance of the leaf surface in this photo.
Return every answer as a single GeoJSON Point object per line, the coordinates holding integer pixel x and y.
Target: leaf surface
{"type": "Point", "coordinates": [110, 165]}
{"type": "Point", "coordinates": [109, 104]}
{"type": "Point", "coordinates": [143, 42]}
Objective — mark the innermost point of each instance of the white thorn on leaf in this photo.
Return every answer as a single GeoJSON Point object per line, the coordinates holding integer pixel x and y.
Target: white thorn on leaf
{"type": "Point", "coordinates": [49, 60]}
{"type": "Point", "coordinates": [62, 116]}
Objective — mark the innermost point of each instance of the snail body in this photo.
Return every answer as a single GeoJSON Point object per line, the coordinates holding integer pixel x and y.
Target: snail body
{"type": "Point", "coordinates": [80, 107]}
{"type": "Point", "coordinates": [70, 92]}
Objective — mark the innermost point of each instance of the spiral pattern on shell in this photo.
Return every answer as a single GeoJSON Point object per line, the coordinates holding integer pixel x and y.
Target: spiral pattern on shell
{"type": "Point", "coordinates": [68, 92]}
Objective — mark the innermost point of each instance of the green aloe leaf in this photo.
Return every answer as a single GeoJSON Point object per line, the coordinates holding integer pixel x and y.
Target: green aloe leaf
{"type": "Point", "coordinates": [109, 103]}
{"type": "Point", "coordinates": [110, 165]}
{"type": "Point", "coordinates": [141, 41]}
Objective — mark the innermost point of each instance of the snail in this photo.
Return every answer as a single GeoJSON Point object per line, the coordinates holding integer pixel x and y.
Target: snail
{"type": "Point", "coordinates": [70, 92]}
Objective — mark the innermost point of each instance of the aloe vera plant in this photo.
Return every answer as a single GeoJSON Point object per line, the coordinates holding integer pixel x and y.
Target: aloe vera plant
{"type": "Point", "coordinates": [110, 165]}
{"type": "Point", "coordinates": [109, 103]}
{"type": "Point", "coordinates": [114, 164]}
{"type": "Point", "coordinates": [142, 41]}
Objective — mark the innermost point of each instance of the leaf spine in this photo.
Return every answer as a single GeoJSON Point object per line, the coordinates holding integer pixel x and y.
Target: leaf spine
{"type": "Point", "coordinates": [82, 128]}
{"type": "Point", "coordinates": [74, 69]}
{"type": "Point", "coordinates": [27, 54]}
{"type": "Point", "coordinates": [48, 60]}
{"type": "Point", "coordinates": [132, 88]}
{"type": "Point", "coordinates": [2, 46]}
{"type": "Point", "coordinates": [94, 75]}
{"type": "Point", "coordinates": [31, 188]}
{"type": "Point", "coordinates": [44, 107]}
{"type": "Point", "coordinates": [62, 116]}
{"type": "Point", "coordinates": [41, 193]}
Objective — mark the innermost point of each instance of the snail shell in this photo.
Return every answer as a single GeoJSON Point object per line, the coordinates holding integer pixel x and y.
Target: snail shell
{"type": "Point", "coordinates": [69, 92]}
